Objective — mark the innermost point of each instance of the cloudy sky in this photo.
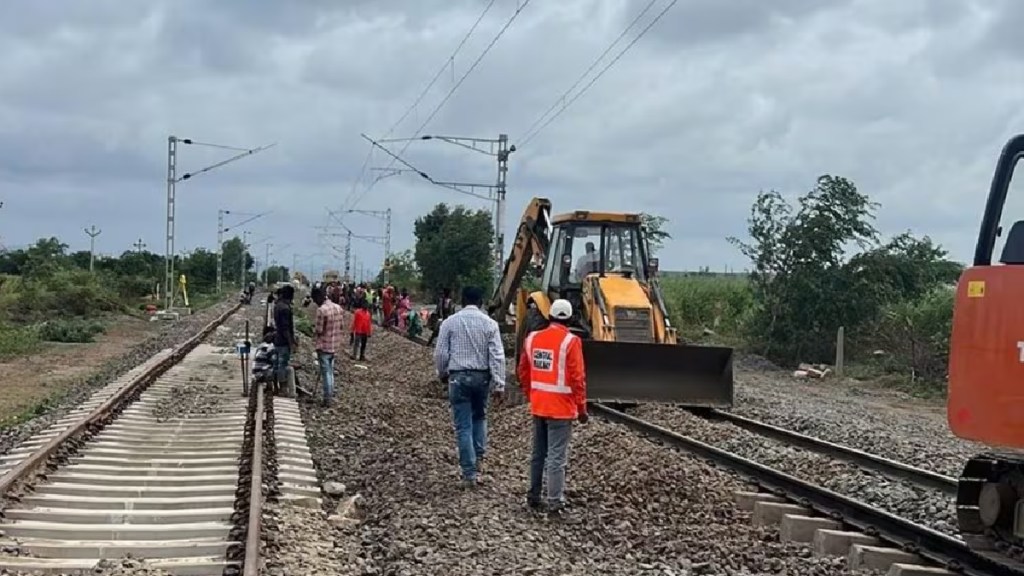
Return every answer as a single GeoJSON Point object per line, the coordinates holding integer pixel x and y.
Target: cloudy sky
{"type": "Point", "coordinates": [722, 98]}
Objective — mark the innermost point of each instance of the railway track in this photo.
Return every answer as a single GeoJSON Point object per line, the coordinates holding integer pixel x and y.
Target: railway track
{"type": "Point", "coordinates": [885, 539]}
{"type": "Point", "coordinates": [164, 464]}
{"type": "Point", "coordinates": [889, 467]}
{"type": "Point", "coordinates": [912, 543]}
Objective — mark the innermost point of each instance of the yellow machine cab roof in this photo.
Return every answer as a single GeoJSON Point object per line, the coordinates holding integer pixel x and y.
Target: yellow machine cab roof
{"type": "Point", "coordinates": [589, 216]}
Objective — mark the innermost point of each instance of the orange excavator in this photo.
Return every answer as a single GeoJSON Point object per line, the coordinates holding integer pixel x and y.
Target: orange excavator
{"type": "Point", "coordinates": [986, 374]}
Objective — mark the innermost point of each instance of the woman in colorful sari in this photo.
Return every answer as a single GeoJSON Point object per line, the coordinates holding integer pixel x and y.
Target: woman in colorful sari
{"type": "Point", "coordinates": [387, 304]}
{"type": "Point", "coordinates": [404, 305]}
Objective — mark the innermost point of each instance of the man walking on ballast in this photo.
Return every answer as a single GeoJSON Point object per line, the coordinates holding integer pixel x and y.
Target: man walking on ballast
{"type": "Point", "coordinates": [553, 379]}
{"type": "Point", "coordinates": [470, 358]}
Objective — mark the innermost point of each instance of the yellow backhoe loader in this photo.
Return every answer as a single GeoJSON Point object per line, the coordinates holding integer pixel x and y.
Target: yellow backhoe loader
{"type": "Point", "coordinates": [600, 262]}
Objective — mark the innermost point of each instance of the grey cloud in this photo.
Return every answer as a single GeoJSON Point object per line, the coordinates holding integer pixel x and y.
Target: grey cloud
{"type": "Point", "coordinates": [724, 98]}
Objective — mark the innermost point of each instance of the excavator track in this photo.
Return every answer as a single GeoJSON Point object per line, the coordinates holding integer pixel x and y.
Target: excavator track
{"type": "Point", "coordinates": [988, 493]}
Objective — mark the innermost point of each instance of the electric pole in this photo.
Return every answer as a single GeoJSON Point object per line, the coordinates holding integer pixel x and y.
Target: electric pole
{"type": "Point", "coordinates": [220, 250]}
{"type": "Point", "coordinates": [172, 181]}
{"type": "Point", "coordinates": [93, 232]}
{"type": "Point", "coordinates": [139, 246]}
{"type": "Point", "coordinates": [348, 256]}
{"type": "Point", "coordinates": [243, 258]}
{"type": "Point", "coordinates": [498, 148]}
{"type": "Point", "coordinates": [220, 239]}
{"type": "Point", "coordinates": [384, 215]}
{"type": "Point", "coordinates": [266, 265]}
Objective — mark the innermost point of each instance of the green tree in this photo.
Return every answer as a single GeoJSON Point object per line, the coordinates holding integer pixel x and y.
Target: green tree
{"type": "Point", "coordinates": [275, 273]}
{"type": "Point", "coordinates": [404, 272]}
{"type": "Point", "coordinates": [453, 248]}
{"type": "Point", "coordinates": [654, 226]}
{"type": "Point", "coordinates": [797, 258]}
{"type": "Point", "coordinates": [233, 251]}
{"type": "Point", "coordinates": [806, 285]}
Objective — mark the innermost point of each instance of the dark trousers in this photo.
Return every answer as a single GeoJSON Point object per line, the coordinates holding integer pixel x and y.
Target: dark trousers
{"type": "Point", "coordinates": [359, 346]}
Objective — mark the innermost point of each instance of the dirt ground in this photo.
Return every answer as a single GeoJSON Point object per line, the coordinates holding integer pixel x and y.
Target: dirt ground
{"type": "Point", "coordinates": [28, 380]}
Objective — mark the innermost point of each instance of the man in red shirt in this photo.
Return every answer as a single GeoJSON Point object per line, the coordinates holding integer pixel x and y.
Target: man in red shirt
{"type": "Point", "coordinates": [553, 379]}
{"type": "Point", "coordinates": [361, 328]}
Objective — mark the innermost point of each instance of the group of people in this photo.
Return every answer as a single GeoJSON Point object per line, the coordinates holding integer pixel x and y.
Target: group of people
{"type": "Point", "coordinates": [470, 359]}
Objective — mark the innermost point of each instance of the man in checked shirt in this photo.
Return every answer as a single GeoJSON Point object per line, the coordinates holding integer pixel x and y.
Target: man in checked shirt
{"type": "Point", "coordinates": [470, 358]}
{"type": "Point", "coordinates": [327, 330]}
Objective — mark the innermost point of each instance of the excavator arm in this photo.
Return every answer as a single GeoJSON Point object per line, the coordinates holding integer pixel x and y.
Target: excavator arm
{"type": "Point", "coordinates": [532, 238]}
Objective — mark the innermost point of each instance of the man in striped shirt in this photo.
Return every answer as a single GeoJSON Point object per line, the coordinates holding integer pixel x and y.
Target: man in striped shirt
{"type": "Point", "coordinates": [327, 330]}
{"type": "Point", "coordinates": [470, 358]}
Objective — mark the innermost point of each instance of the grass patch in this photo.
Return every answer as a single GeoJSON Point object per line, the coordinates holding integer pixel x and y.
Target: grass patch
{"type": "Point", "coordinates": [78, 331]}
{"type": "Point", "coordinates": [17, 340]}
{"type": "Point", "coordinates": [720, 304]}
{"type": "Point", "coordinates": [303, 324]}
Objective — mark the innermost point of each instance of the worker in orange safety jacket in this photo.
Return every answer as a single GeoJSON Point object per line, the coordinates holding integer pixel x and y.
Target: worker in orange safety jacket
{"type": "Point", "coordinates": [553, 379]}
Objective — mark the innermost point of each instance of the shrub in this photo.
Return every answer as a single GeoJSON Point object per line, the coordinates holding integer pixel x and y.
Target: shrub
{"type": "Point", "coordinates": [721, 304]}
{"type": "Point", "coordinates": [73, 331]}
{"type": "Point", "coordinates": [304, 325]}
{"type": "Point", "coordinates": [17, 340]}
{"type": "Point", "coordinates": [914, 335]}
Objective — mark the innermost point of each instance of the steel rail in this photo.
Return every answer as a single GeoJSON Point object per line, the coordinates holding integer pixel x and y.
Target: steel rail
{"type": "Point", "coordinates": [930, 544]}
{"type": "Point", "coordinates": [861, 458]}
{"type": "Point", "coordinates": [251, 563]}
{"type": "Point", "coordinates": [105, 410]}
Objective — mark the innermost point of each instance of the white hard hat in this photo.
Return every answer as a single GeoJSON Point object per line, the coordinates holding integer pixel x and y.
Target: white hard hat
{"type": "Point", "coordinates": [561, 309]}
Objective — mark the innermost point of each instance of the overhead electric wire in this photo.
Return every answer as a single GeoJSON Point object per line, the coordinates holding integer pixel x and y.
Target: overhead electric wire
{"type": "Point", "coordinates": [526, 135]}
{"type": "Point", "coordinates": [448, 96]}
{"type": "Point", "coordinates": [601, 73]}
{"type": "Point", "coordinates": [426, 90]}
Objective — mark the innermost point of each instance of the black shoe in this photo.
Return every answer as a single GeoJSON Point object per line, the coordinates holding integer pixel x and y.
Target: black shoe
{"type": "Point", "coordinates": [556, 511]}
{"type": "Point", "coordinates": [534, 503]}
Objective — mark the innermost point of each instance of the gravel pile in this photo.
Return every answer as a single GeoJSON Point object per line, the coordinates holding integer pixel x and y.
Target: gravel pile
{"type": "Point", "coordinates": [169, 336]}
{"type": "Point", "coordinates": [921, 505]}
{"type": "Point", "coordinates": [635, 507]}
{"type": "Point", "coordinates": [197, 398]}
{"type": "Point", "coordinates": [127, 567]}
{"type": "Point", "coordinates": [886, 423]}
{"type": "Point", "coordinates": [299, 540]}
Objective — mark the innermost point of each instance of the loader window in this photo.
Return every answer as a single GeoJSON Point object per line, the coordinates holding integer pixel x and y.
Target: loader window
{"type": "Point", "coordinates": [622, 251]}
{"type": "Point", "coordinates": [586, 258]}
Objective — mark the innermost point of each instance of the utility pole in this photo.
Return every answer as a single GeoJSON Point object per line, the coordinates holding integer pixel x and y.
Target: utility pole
{"type": "Point", "coordinates": [139, 246]}
{"type": "Point", "coordinates": [384, 215]}
{"type": "Point", "coordinates": [220, 250]}
{"type": "Point", "coordinates": [243, 258]}
{"type": "Point", "coordinates": [266, 265]}
{"type": "Point", "coordinates": [93, 232]}
{"type": "Point", "coordinates": [220, 239]}
{"type": "Point", "coordinates": [172, 181]}
{"type": "Point", "coordinates": [348, 256]}
{"type": "Point", "coordinates": [498, 148]}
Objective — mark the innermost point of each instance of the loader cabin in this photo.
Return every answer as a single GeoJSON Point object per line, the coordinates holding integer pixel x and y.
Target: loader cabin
{"type": "Point", "coordinates": [585, 243]}
{"type": "Point", "coordinates": [607, 244]}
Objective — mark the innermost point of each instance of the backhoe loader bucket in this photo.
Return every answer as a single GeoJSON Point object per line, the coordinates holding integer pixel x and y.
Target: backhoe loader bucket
{"type": "Point", "coordinates": [698, 376]}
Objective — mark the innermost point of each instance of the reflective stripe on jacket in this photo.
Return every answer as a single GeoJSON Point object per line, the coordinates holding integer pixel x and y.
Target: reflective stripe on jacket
{"type": "Point", "coordinates": [551, 373]}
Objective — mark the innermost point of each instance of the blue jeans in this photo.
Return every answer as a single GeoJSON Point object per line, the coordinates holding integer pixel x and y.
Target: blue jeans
{"type": "Point", "coordinates": [468, 393]}
{"type": "Point", "coordinates": [282, 358]}
{"type": "Point", "coordinates": [326, 361]}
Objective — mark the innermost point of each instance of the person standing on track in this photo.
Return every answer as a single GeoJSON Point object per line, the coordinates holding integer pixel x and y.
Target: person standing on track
{"type": "Point", "coordinates": [470, 359]}
{"type": "Point", "coordinates": [327, 330]}
{"type": "Point", "coordinates": [284, 334]}
{"type": "Point", "coordinates": [362, 326]}
{"type": "Point", "coordinates": [554, 381]}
